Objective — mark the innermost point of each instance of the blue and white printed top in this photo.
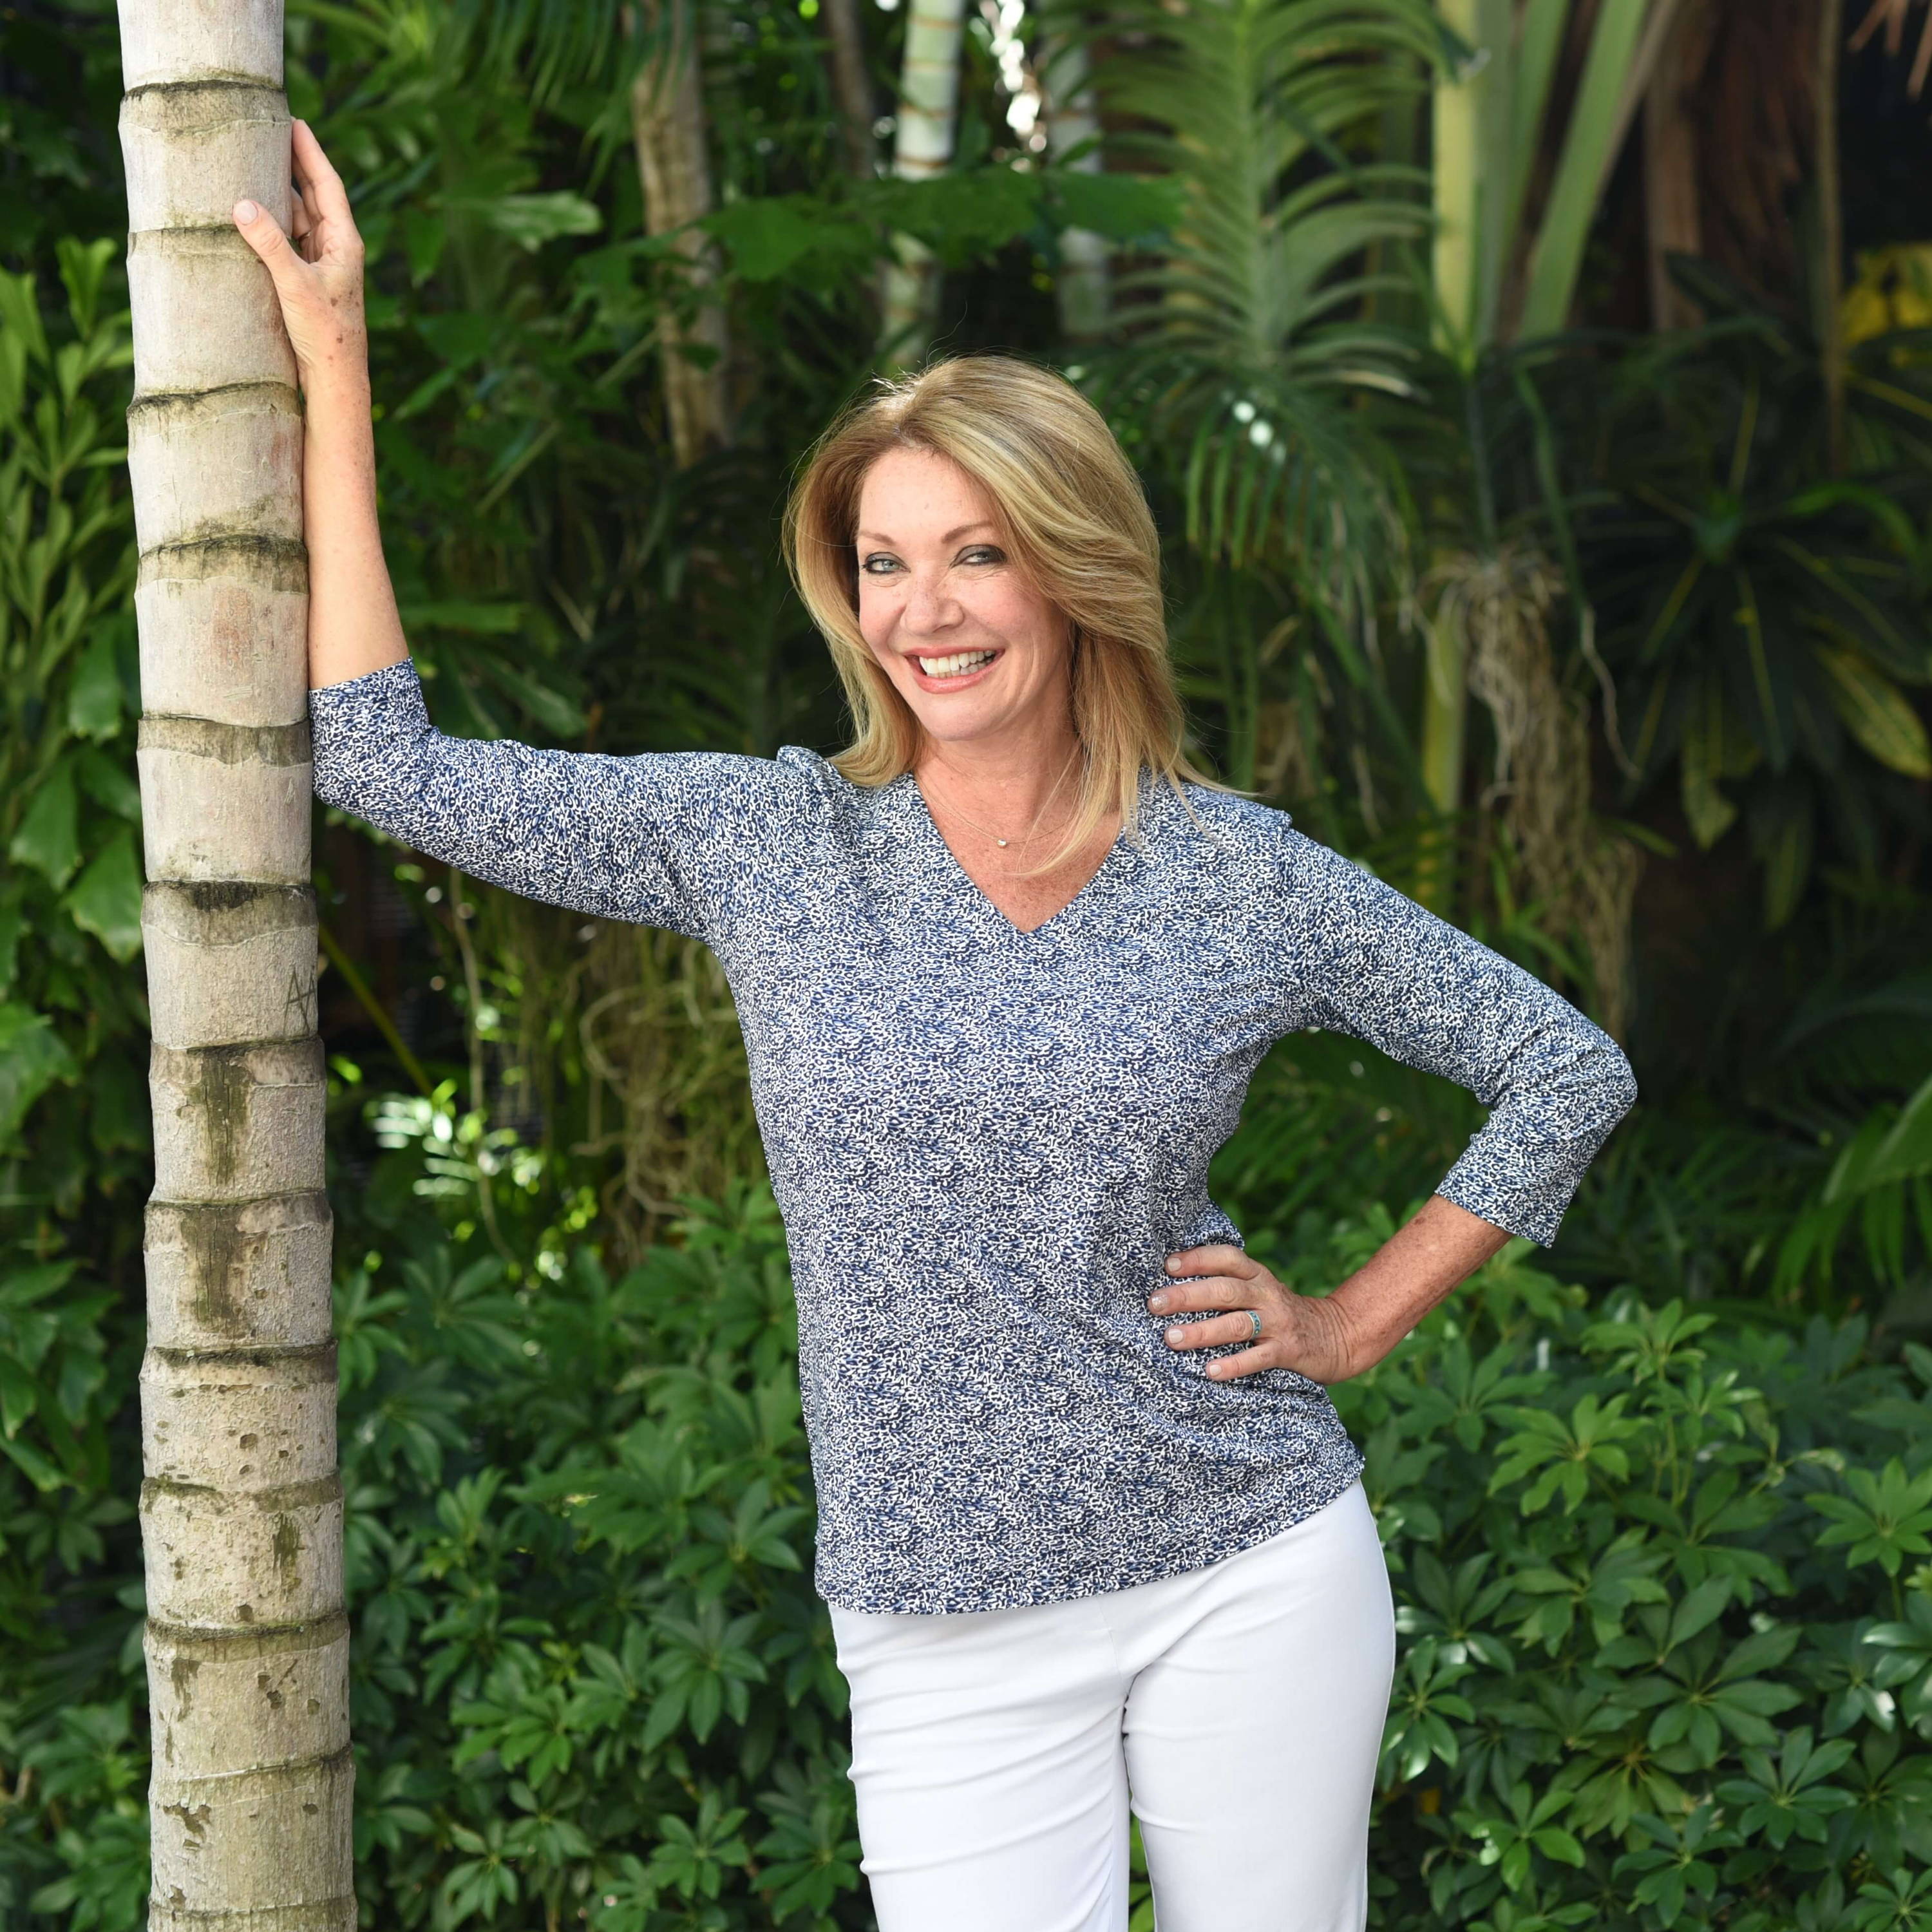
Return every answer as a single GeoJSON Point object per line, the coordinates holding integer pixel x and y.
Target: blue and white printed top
{"type": "Point", "coordinates": [985, 1142]}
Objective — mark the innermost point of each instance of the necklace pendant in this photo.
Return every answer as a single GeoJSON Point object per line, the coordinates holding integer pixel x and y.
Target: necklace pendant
{"type": "Point", "coordinates": [1002, 841]}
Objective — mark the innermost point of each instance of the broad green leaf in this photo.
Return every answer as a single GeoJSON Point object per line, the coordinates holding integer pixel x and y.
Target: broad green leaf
{"type": "Point", "coordinates": [531, 220]}
{"type": "Point", "coordinates": [48, 837]}
{"type": "Point", "coordinates": [32, 1057]}
{"type": "Point", "coordinates": [425, 235]}
{"type": "Point", "coordinates": [1122, 207]}
{"type": "Point", "coordinates": [550, 708]}
{"type": "Point", "coordinates": [105, 899]}
{"type": "Point", "coordinates": [20, 314]}
{"type": "Point", "coordinates": [963, 215]}
{"type": "Point", "coordinates": [108, 781]}
{"type": "Point", "coordinates": [483, 619]}
{"type": "Point", "coordinates": [19, 1393]}
{"type": "Point", "coordinates": [12, 925]}
{"type": "Point", "coordinates": [769, 236]}
{"type": "Point", "coordinates": [82, 265]}
{"type": "Point", "coordinates": [94, 697]}
{"type": "Point", "coordinates": [44, 1475]}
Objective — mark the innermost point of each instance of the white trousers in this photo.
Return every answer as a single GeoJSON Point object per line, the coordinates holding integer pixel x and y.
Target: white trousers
{"type": "Point", "coordinates": [1238, 1709]}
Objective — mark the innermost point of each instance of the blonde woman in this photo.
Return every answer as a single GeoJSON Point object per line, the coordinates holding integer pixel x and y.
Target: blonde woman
{"type": "Point", "coordinates": [1091, 1533]}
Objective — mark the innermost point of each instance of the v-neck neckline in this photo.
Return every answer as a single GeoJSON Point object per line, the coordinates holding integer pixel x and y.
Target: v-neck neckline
{"type": "Point", "coordinates": [928, 828]}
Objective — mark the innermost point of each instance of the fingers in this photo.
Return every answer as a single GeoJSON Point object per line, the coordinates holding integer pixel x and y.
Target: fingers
{"type": "Point", "coordinates": [1220, 1257]}
{"type": "Point", "coordinates": [1216, 1277]}
{"type": "Point", "coordinates": [321, 185]}
{"type": "Point", "coordinates": [1219, 1277]}
{"type": "Point", "coordinates": [1215, 1334]}
{"type": "Point", "coordinates": [263, 233]}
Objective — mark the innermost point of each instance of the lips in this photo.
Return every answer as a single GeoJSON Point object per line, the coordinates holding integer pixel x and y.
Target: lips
{"type": "Point", "coordinates": [953, 671]}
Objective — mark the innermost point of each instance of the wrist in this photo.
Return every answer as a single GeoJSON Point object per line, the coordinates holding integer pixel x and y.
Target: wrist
{"type": "Point", "coordinates": [1355, 1335]}
{"type": "Point", "coordinates": [337, 387]}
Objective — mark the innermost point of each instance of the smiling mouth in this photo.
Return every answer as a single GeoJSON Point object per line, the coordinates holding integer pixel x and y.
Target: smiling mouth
{"type": "Point", "coordinates": [958, 665]}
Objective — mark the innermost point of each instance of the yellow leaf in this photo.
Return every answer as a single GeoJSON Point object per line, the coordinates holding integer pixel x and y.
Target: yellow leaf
{"type": "Point", "coordinates": [1876, 712]}
{"type": "Point", "coordinates": [1866, 313]}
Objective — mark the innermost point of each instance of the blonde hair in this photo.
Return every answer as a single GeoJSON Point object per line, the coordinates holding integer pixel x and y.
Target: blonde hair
{"type": "Point", "coordinates": [1072, 513]}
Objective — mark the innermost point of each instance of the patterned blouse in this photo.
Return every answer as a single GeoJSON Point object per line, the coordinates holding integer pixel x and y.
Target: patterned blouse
{"type": "Point", "coordinates": [985, 1142]}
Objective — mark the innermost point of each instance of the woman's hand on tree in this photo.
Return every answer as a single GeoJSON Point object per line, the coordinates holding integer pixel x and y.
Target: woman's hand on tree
{"type": "Point", "coordinates": [317, 270]}
{"type": "Point", "coordinates": [1308, 1333]}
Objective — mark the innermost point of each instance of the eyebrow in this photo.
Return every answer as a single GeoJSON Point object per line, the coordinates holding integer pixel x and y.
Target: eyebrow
{"type": "Point", "coordinates": [951, 536]}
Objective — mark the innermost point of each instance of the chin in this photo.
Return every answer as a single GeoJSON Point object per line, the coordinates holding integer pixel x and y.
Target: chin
{"type": "Point", "coordinates": [947, 726]}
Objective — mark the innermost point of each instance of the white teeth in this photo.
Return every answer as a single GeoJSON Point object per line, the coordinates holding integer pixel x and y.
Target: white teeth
{"type": "Point", "coordinates": [951, 667]}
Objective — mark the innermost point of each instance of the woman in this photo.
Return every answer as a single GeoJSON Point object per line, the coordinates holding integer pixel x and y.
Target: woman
{"type": "Point", "coordinates": [1089, 1530]}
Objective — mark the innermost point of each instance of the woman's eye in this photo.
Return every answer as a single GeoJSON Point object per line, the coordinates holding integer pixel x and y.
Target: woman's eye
{"type": "Point", "coordinates": [878, 565]}
{"type": "Point", "coordinates": [983, 553]}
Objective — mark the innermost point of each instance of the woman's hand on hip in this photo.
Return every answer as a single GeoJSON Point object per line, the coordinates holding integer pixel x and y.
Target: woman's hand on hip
{"type": "Point", "coordinates": [317, 269]}
{"type": "Point", "coordinates": [1308, 1333]}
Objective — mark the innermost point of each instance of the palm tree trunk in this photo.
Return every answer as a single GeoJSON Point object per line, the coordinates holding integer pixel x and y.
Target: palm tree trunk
{"type": "Point", "coordinates": [922, 147]}
{"type": "Point", "coordinates": [667, 129]}
{"type": "Point", "coordinates": [241, 1509]}
{"type": "Point", "coordinates": [1072, 121]}
{"type": "Point", "coordinates": [852, 85]}
{"type": "Point", "coordinates": [1673, 216]}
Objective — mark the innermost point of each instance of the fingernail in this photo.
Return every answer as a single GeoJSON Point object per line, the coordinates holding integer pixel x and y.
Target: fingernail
{"type": "Point", "coordinates": [245, 211]}
{"type": "Point", "coordinates": [1173, 1334]}
{"type": "Point", "coordinates": [1158, 1303]}
{"type": "Point", "coordinates": [1172, 1265]}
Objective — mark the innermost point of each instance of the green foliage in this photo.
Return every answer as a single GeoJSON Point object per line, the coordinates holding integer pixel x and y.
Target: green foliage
{"type": "Point", "coordinates": [1633, 1668]}
{"type": "Point", "coordinates": [1663, 1576]}
{"type": "Point", "coordinates": [1766, 623]}
{"type": "Point", "coordinates": [1246, 328]}
{"type": "Point", "coordinates": [1662, 1557]}
{"type": "Point", "coordinates": [70, 893]}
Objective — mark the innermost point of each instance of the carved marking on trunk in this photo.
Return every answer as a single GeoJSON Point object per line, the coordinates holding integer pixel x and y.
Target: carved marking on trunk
{"type": "Point", "coordinates": [307, 1362]}
{"type": "Point", "coordinates": [225, 1646]}
{"type": "Point", "coordinates": [188, 243]}
{"type": "Point", "coordinates": [299, 1003]}
{"type": "Point", "coordinates": [230, 744]}
{"type": "Point", "coordinates": [171, 408]}
{"type": "Point", "coordinates": [291, 1496]}
{"type": "Point", "coordinates": [171, 107]}
{"type": "Point", "coordinates": [215, 77]}
{"type": "Point", "coordinates": [269, 563]}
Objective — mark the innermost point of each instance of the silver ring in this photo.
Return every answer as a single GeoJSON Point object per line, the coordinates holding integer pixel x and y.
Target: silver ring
{"type": "Point", "coordinates": [1254, 1315]}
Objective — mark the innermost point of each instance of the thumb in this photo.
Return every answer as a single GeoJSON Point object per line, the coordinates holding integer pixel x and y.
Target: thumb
{"type": "Point", "coordinates": [263, 233]}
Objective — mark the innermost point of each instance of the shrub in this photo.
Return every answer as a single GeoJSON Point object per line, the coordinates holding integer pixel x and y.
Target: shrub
{"type": "Point", "coordinates": [1663, 1578]}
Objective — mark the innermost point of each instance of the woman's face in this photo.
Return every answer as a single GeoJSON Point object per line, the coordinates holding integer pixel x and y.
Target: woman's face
{"type": "Point", "coordinates": [971, 645]}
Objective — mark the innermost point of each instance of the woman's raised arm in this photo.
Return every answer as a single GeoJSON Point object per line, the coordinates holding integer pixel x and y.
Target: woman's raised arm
{"type": "Point", "coordinates": [353, 627]}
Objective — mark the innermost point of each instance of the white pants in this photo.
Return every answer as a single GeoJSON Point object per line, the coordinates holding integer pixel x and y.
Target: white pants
{"type": "Point", "coordinates": [1238, 1708]}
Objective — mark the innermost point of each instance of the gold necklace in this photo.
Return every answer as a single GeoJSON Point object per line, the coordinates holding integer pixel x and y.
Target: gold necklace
{"type": "Point", "coordinates": [1037, 816]}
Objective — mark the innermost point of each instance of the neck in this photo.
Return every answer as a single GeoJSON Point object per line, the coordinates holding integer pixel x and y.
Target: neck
{"type": "Point", "coordinates": [1010, 780]}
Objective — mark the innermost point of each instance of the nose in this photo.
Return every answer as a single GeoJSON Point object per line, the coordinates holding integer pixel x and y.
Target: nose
{"type": "Point", "coordinates": [929, 608]}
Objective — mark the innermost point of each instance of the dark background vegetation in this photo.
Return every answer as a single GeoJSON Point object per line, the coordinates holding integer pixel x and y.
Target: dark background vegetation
{"type": "Point", "coordinates": [1659, 1504]}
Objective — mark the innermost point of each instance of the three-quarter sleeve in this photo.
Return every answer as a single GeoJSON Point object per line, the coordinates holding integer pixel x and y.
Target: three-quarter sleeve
{"type": "Point", "coordinates": [1384, 970]}
{"type": "Point", "coordinates": [656, 839]}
